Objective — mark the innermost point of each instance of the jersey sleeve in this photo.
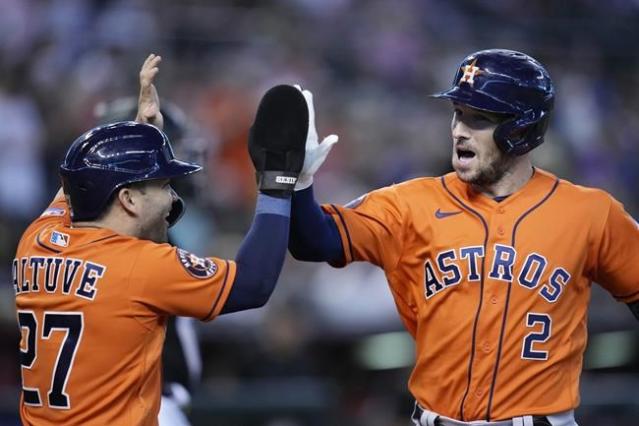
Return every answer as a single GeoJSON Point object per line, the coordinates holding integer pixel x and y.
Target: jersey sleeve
{"type": "Point", "coordinates": [57, 211]}
{"type": "Point", "coordinates": [617, 256]}
{"type": "Point", "coordinates": [175, 282]}
{"type": "Point", "coordinates": [371, 228]}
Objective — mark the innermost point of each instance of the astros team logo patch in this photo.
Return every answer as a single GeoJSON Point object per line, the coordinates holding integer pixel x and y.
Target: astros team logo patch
{"type": "Point", "coordinates": [199, 267]}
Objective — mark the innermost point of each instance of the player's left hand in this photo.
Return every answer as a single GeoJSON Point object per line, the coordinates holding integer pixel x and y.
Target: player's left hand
{"type": "Point", "coordinates": [316, 152]}
{"type": "Point", "coordinates": [149, 101]}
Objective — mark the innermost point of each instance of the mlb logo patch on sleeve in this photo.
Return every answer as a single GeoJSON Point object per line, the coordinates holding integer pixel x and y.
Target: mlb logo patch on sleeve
{"type": "Point", "coordinates": [199, 267]}
{"type": "Point", "coordinates": [59, 239]}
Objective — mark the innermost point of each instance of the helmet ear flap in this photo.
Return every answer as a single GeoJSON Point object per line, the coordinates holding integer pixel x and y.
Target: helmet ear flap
{"type": "Point", "coordinates": [508, 135]}
{"type": "Point", "coordinates": [519, 135]}
{"type": "Point", "coordinates": [177, 210]}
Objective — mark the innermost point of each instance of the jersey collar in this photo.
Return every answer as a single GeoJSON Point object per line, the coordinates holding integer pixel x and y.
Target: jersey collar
{"type": "Point", "coordinates": [537, 186]}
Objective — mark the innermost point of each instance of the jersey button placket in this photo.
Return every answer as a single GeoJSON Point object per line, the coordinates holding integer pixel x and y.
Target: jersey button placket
{"type": "Point", "coordinates": [490, 320]}
{"type": "Point", "coordinates": [501, 231]}
{"type": "Point", "coordinates": [488, 323]}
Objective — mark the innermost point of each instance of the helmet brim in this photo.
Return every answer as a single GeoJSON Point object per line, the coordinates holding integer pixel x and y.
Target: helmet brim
{"type": "Point", "coordinates": [476, 99]}
{"type": "Point", "coordinates": [178, 168]}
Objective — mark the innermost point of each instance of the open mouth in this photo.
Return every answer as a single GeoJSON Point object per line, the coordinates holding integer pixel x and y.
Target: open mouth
{"type": "Point", "coordinates": [465, 154]}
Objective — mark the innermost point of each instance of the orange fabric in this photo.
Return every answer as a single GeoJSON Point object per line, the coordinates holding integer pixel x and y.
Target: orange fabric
{"type": "Point", "coordinates": [478, 283]}
{"type": "Point", "coordinates": [123, 290]}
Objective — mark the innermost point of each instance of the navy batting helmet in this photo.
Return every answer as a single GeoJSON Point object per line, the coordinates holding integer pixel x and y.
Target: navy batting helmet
{"type": "Point", "coordinates": [108, 157]}
{"type": "Point", "coordinates": [510, 83]}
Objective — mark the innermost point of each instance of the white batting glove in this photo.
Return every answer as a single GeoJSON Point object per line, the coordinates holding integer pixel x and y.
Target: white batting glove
{"type": "Point", "coordinates": [315, 152]}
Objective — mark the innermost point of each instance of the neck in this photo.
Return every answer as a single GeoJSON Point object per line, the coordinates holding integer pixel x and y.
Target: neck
{"type": "Point", "coordinates": [512, 180]}
{"type": "Point", "coordinates": [122, 227]}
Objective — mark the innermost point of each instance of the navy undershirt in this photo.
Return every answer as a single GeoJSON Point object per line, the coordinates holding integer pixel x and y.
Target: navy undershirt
{"type": "Point", "coordinates": [314, 235]}
{"type": "Point", "coordinates": [261, 255]}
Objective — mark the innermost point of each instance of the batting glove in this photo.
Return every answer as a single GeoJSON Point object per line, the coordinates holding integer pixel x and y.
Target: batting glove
{"type": "Point", "coordinates": [277, 140]}
{"type": "Point", "coordinates": [316, 152]}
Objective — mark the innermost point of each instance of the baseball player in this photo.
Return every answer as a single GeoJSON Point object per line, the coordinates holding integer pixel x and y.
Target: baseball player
{"type": "Point", "coordinates": [490, 266]}
{"type": "Point", "coordinates": [95, 279]}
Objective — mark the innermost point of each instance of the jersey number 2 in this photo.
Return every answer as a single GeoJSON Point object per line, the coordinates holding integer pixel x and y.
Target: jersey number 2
{"type": "Point", "coordinates": [69, 322]}
{"type": "Point", "coordinates": [532, 320]}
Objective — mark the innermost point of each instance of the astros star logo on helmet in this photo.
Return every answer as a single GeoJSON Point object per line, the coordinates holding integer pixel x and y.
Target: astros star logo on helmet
{"type": "Point", "coordinates": [470, 71]}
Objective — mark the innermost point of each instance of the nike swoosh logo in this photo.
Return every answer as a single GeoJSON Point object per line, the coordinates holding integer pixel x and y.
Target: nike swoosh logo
{"type": "Point", "coordinates": [441, 215]}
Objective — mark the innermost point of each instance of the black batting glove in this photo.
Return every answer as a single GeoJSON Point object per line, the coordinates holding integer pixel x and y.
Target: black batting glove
{"type": "Point", "coordinates": [277, 140]}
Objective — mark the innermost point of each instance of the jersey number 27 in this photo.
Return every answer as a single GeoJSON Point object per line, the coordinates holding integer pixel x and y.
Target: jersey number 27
{"type": "Point", "coordinates": [69, 322]}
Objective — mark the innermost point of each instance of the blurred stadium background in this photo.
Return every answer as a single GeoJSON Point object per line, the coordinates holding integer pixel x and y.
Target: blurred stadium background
{"type": "Point", "coordinates": [328, 349]}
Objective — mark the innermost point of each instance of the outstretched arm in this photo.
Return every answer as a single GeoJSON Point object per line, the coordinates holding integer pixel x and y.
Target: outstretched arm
{"type": "Point", "coordinates": [314, 235]}
{"type": "Point", "coordinates": [276, 146]}
{"type": "Point", "coordinates": [261, 255]}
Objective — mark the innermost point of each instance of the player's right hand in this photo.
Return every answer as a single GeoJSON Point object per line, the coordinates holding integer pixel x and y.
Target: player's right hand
{"type": "Point", "coordinates": [277, 139]}
{"type": "Point", "coordinates": [149, 101]}
{"type": "Point", "coordinates": [316, 152]}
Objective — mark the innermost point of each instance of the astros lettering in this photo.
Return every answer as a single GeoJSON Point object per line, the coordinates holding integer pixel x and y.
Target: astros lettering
{"type": "Point", "coordinates": [446, 270]}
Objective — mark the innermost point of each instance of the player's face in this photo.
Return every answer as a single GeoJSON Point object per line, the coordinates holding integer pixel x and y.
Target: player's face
{"type": "Point", "coordinates": [476, 157]}
{"type": "Point", "coordinates": [156, 197]}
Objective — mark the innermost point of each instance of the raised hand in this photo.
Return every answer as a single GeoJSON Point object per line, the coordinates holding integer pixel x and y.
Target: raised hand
{"type": "Point", "coordinates": [149, 101]}
{"type": "Point", "coordinates": [316, 152]}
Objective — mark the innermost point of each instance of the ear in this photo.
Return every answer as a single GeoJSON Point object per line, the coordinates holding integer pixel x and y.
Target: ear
{"type": "Point", "coordinates": [128, 199]}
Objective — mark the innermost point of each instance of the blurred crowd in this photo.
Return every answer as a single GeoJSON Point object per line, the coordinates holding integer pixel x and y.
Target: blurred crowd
{"type": "Point", "coordinates": [328, 348]}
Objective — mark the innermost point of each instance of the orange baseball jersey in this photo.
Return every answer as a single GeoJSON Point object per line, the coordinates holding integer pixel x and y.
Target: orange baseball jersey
{"type": "Point", "coordinates": [494, 293]}
{"type": "Point", "coordinates": [92, 307]}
